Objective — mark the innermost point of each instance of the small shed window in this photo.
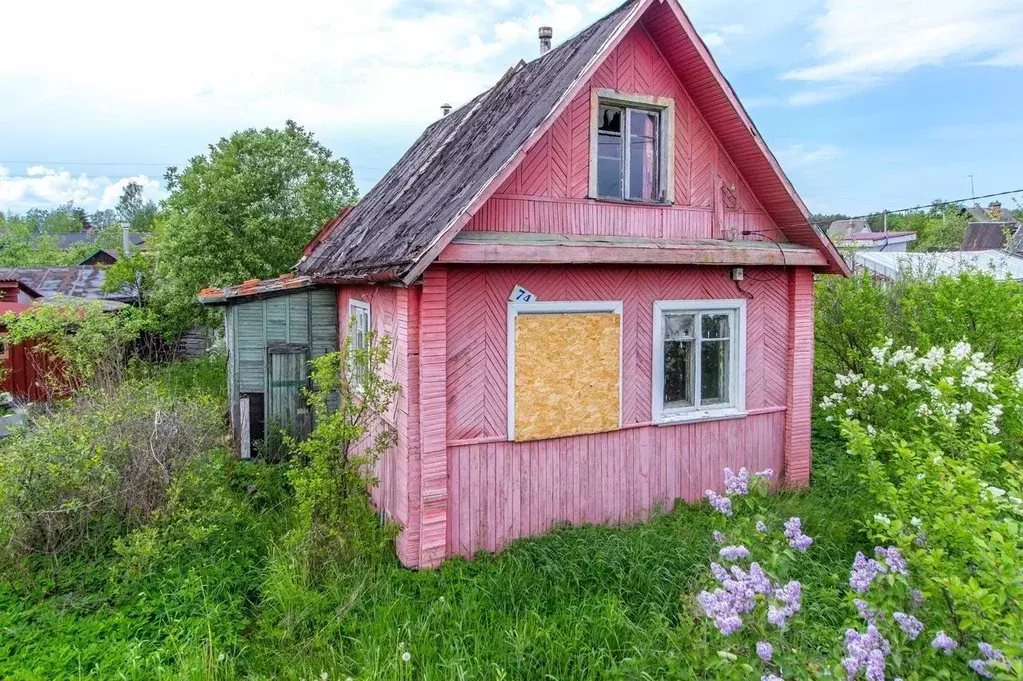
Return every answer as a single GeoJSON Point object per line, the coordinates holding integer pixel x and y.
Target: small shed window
{"type": "Point", "coordinates": [631, 139]}
{"type": "Point", "coordinates": [699, 359]}
{"type": "Point", "coordinates": [358, 312]}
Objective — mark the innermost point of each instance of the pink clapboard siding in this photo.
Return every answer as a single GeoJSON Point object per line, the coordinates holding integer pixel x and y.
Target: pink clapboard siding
{"type": "Point", "coordinates": [499, 490]}
{"type": "Point", "coordinates": [548, 191]}
{"type": "Point", "coordinates": [389, 317]}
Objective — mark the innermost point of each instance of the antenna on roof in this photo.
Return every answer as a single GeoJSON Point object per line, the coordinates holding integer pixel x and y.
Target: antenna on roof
{"type": "Point", "coordinates": [546, 33]}
{"type": "Point", "coordinates": [445, 109]}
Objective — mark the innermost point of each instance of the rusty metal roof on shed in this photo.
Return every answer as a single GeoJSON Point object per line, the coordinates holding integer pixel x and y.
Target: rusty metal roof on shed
{"type": "Point", "coordinates": [255, 288]}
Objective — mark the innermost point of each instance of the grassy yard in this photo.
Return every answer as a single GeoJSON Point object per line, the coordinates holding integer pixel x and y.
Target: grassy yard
{"type": "Point", "coordinates": [587, 602]}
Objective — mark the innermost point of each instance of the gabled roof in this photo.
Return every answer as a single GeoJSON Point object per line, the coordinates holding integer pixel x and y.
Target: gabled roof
{"type": "Point", "coordinates": [420, 204]}
{"type": "Point", "coordinates": [982, 236]}
{"type": "Point", "coordinates": [82, 281]}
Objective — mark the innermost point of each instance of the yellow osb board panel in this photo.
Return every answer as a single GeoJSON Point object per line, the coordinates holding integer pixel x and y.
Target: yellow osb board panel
{"type": "Point", "coordinates": [566, 374]}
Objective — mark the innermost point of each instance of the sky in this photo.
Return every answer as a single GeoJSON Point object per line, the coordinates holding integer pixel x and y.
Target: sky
{"type": "Point", "coordinates": [868, 104]}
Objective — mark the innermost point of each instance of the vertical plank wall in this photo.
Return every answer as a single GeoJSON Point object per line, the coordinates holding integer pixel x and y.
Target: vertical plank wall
{"type": "Point", "coordinates": [548, 191]}
{"type": "Point", "coordinates": [498, 491]}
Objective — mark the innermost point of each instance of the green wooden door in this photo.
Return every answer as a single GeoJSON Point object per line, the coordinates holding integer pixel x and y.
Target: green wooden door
{"type": "Point", "coordinates": [286, 376]}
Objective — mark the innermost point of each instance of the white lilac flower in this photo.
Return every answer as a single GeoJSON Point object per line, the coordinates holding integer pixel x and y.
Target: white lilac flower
{"type": "Point", "coordinates": [871, 431]}
{"type": "Point", "coordinates": [829, 418]}
{"type": "Point", "coordinates": [950, 381]}
{"type": "Point", "coordinates": [1019, 379]}
{"type": "Point", "coordinates": [961, 350]}
{"type": "Point", "coordinates": [938, 459]}
{"type": "Point", "coordinates": [944, 643]}
{"type": "Point", "coordinates": [883, 388]}
{"type": "Point", "coordinates": [882, 518]}
{"type": "Point", "coordinates": [913, 384]}
{"type": "Point", "coordinates": [919, 476]}
{"type": "Point", "coordinates": [915, 522]}
{"type": "Point", "coordinates": [771, 677]}
{"type": "Point", "coordinates": [850, 411]}
{"type": "Point", "coordinates": [923, 410]}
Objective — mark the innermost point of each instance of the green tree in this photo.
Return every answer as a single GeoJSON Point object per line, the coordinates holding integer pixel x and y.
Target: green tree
{"type": "Point", "coordinates": [245, 209]}
{"type": "Point", "coordinates": [133, 208]}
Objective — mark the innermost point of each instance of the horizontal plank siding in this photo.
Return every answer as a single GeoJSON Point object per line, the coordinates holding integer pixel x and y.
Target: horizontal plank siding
{"type": "Point", "coordinates": [507, 490]}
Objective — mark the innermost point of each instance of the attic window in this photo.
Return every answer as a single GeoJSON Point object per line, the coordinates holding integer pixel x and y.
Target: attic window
{"type": "Point", "coordinates": [629, 142]}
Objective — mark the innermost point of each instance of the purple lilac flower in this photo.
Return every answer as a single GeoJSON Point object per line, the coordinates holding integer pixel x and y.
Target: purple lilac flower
{"type": "Point", "coordinates": [892, 559]}
{"type": "Point", "coordinates": [944, 643]}
{"type": "Point", "coordinates": [863, 573]}
{"type": "Point", "coordinates": [718, 537]}
{"type": "Point", "coordinates": [863, 608]}
{"type": "Point", "coordinates": [765, 651]}
{"type": "Point", "coordinates": [766, 474]}
{"type": "Point", "coordinates": [990, 653]}
{"type": "Point", "coordinates": [734, 553]}
{"type": "Point", "coordinates": [909, 624]}
{"type": "Point", "coordinates": [719, 503]}
{"type": "Point", "coordinates": [788, 603]}
{"type": "Point", "coordinates": [737, 483]}
{"type": "Point", "coordinates": [736, 596]}
{"type": "Point", "coordinates": [866, 651]}
{"type": "Point", "coordinates": [761, 526]}
{"type": "Point", "coordinates": [980, 666]}
{"type": "Point", "coordinates": [917, 596]}
{"type": "Point", "coordinates": [794, 533]}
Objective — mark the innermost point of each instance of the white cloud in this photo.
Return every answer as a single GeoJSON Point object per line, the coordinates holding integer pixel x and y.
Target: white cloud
{"type": "Point", "coordinates": [713, 39]}
{"type": "Point", "coordinates": [797, 156]}
{"type": "Point", "coordinates": [48, 187]}
{"type": "Point", "coordinates": [866, 41]}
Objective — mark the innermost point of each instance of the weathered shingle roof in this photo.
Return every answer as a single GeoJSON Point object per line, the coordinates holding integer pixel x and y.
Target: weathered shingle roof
{"type": "Point", "coordinates": [454, 159]}
{"type": "Point", "coordinates": [982, 236]}
{"type": "Point", "coordinates": [255, 288]}
{"type": "Point", "coordinates": [396, 230]}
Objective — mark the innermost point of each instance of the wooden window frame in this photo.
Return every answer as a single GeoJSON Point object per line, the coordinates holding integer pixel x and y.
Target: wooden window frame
{"type": "Point", "coordinates": [736, 407]}
{"type": "Point", "coordinates": [557, 307]}
{"type": "Point", "coordinates": [355, 306]}
{"type": "Point", "coordinates": [665, 106]}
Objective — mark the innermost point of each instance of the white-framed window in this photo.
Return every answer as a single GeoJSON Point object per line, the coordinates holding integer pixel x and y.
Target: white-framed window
{"type": "Point", "coordinates": [358, 313]}
{"type": "Point", "coordinates": [564, 368]}
{"type": "Point", "coordinates": [699, 360]}
{"type": "Point", "coordinates": [631, 139]}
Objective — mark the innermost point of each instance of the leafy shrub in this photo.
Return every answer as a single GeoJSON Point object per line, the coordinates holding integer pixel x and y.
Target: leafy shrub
{"type": "Point", "coordinates": [96, 467]}
{"type": "Point", "coordinates": [855, 314]}
{"type": "Point", "coordinates": [930, 431]}
{"type": "Point", "coordinates": [333, 468]}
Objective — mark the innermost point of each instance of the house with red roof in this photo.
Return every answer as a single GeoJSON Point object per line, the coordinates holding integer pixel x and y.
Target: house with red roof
{"type": "Point", "coordinates": [597, 283]}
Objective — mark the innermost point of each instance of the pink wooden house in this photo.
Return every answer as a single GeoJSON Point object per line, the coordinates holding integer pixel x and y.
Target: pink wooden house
{"type": "Point", "coordinates": [598, 283]}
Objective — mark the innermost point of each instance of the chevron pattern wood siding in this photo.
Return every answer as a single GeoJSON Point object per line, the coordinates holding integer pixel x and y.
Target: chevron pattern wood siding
{"type": "Point", "coordinates": [548, 191]}
{"type": "Point", "coordinates": [499, 491]}
{"type": "Point", "coordinates": [477, 332]}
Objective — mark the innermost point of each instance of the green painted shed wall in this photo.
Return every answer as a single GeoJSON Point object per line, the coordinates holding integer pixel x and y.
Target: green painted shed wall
{"type": "Point", "coordinates": [306, 318]}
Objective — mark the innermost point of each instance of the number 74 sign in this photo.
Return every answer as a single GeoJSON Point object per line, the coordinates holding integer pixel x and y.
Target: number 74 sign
{"type": "Point", "coordinates": [521, 295]}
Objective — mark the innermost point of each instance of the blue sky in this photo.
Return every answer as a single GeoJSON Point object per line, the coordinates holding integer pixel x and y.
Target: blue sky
{"type": "Point", "coordinates": [867, 103]}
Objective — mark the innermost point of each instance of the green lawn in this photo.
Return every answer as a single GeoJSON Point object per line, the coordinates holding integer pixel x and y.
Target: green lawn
{"type": "Point", "coordinates": [587, 602]}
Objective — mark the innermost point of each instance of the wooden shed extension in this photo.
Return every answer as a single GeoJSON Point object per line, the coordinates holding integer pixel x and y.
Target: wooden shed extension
{"type": "Point", "coordinates": [272, 329]}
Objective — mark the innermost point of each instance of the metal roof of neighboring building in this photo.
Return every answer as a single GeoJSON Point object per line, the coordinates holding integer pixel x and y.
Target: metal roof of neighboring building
{"type": "Point", "coordinates": [983, 236]}
{"type": "Point", "coordinates": [81, 281]}
{"type": "Point", "coordinates": [891, 265]}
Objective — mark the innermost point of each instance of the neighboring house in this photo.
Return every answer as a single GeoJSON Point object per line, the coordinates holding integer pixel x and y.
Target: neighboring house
{"type": "Point", "coordinates": [893, 266]}
{"type": "Point", "coordinates": [22, 370]}
{"type": "Point", "coordinates": [840, 229]}
{"type": "Point", "coordinates": [103, 256]}
{"type": "Point", "coordinates": [80, 281]}
{"type": "Point", "coordinates": [896, 242]}
{"type": "Point", "coordinates": [597, 283]}
{"type": "Point", "coordinates": [68, 240]}
{"type": "Point", "coordinates": [993, 227]}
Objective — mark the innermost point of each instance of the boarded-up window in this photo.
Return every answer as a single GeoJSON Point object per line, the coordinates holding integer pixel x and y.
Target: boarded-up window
{"type": "Point", "coordinates": [565, 369]}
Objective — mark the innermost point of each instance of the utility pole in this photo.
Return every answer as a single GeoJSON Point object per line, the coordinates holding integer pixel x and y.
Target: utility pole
{"type": "Point", "coordinates": [973, 192]}
{"type": "Point", "coordinates": [885, 216]}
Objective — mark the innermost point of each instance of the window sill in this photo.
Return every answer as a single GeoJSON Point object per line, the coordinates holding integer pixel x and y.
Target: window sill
{"type": "Point", "coordinates": [700, 415]}
{"type": "Point", "coordinates": [632, 202]}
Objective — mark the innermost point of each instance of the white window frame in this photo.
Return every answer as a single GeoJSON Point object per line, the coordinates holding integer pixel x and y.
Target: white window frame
{"type": "Point", "coordinates": [666, 161]}
{"type": "Point", "coordinates": [557, 307]}
{"type": "Point", "coordinates": [736, 407]}
{"type": "Point", "coordinates": [355, 306]}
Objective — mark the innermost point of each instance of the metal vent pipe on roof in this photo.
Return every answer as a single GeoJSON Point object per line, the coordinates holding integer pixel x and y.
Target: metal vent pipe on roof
{"type": "Point", "coordinates": [445, 109]}
{"type": "Point", "coordinates": [546, 33]}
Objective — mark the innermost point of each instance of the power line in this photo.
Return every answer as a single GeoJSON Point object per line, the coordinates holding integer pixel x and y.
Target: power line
{"type": "Point", "coordinates": [936, 204]}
